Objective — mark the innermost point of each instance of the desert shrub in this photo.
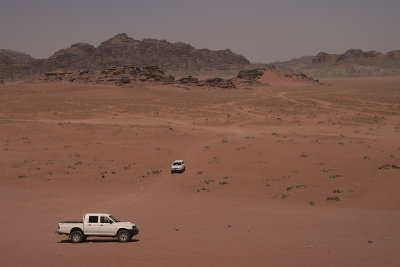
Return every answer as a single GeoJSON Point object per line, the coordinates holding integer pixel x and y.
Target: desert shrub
{"type": "Point", "coordinates": [333, 198]}
{"type": "Point", "coordinates": [388, 166]}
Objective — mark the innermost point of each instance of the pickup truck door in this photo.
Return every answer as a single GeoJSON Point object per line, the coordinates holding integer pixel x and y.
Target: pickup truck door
{"type": "Point", "coordinates": [91, 225]}
{"type": "Point", "coordinates": [106, 226]}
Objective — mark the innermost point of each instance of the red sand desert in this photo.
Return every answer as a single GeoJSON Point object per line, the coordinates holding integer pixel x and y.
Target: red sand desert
{"type": "Point", "coordinates": [276, 175]}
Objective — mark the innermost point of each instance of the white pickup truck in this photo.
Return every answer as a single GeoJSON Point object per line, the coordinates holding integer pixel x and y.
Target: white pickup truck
{"type": "Point", "coordinates": [97, 224]}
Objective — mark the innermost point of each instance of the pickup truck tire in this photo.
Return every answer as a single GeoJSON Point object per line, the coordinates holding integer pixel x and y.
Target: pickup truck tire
{"type": "Point", "coordinates": [76, 237]}
{"type": "Point", "coordinates": [123, 236]}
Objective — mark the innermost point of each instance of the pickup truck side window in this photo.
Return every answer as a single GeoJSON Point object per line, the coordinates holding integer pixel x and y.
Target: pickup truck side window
{"type": "Point", "coordinates": [104, 219]}
{"type": "Point", "coordinates": [93, 219]}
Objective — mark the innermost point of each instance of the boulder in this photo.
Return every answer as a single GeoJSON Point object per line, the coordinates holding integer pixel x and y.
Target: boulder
{"type": "Point", "coordinates": [125, 80]}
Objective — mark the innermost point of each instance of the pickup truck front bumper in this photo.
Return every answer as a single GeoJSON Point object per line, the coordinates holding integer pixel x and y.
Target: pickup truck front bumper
{"type": "Point", "coordinates": [134, 231]}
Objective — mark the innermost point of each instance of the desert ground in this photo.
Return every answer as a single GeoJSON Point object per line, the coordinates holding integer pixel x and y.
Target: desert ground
{"type": "Point", "coordinates": [286, 175]}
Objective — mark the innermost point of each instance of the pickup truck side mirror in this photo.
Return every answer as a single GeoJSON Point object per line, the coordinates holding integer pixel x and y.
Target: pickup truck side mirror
{"type": "Point", "coordinates": [111, 222]}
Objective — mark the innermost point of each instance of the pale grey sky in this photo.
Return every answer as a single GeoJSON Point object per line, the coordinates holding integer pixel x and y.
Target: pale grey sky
{"type": "Point", "coordinates": [262, 31]}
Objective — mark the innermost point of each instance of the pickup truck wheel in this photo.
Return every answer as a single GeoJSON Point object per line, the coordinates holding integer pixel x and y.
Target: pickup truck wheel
{"type": "Point", "coordinates": [123, 236]}
{"type": "Point", "coordinates": [76, 237]}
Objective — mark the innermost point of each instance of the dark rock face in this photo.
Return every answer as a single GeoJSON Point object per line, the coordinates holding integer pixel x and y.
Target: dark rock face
{"type": "Point", "coordinates": [251, 75]}
{"type": "Point", "coordinates": [189, 80]}
{"type": "Point", "coordinates": [218, 82]}
{"type": "Point", "coordinates": [357, 54]}
{"type": "Point", "coordinates": [174, 57]}
{"type": "Point", "coordinates": [323, 57]}
{"type": "Point", "coordinates": [213, 82]}
{"type": "Point", "coordinates": [117, 75]}
{"type": "Point", "coordinates": [71, 76]}
{"type": "Point", "coordinates": [123, 50]}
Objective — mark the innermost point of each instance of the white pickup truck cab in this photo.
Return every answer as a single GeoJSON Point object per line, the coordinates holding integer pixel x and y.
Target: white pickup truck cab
{"type": "Point", "coordinates": [97, 224]}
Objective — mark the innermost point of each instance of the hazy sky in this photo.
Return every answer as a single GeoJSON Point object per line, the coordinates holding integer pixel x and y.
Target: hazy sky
{"type": "Point", "coordinates": [262, 31]}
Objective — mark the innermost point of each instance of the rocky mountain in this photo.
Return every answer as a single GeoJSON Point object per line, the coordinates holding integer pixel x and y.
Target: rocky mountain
{"type": "Point", "coordinates": [352, 63]}
{"type": "Point", "coordinates": [175, 58]}
{"type": "Point", "coordinates": [122, 49]}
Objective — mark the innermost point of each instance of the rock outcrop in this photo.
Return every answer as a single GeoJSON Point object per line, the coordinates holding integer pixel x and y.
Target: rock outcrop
{"type": "Point", "coordinates": [151, 75]}
{"type": "Point", "coordinates": [213, 82]}
{"type": "Point", "coordinates": [251, 75]}
{"type": "Point", "coordinates": [117, 75]}
{"type": "Point", "coordinates": [274, 77]}
{"type": "Point", "coordinates": [130, 74]}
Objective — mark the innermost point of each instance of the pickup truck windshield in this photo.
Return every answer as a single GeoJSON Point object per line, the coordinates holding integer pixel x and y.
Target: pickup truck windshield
{"type": "Point", "coordinates": [114, 219]}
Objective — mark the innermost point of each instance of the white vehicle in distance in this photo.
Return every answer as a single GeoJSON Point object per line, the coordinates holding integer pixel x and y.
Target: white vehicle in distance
{"type": "Point", "coordinates": [97, 224]}
{"type": "Point", "coordinates": [178, 166]}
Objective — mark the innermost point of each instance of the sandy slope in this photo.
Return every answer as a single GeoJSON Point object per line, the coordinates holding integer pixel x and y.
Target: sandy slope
{"type": "Point", "coordinates": [261, 164]}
